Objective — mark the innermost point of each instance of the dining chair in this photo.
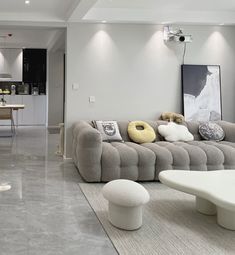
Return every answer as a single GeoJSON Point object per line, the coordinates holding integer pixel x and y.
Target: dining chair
{"type": "Point", "coordinates": [7, 114]}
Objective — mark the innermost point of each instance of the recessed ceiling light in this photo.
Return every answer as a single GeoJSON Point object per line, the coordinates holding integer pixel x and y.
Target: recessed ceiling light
{"type": "Point", "coordinates": [27, 1]}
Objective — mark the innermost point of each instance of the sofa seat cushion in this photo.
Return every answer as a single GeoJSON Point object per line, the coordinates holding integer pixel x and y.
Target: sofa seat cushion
{"type": "Point", "coordinates": [127, 161]}
{"type": "Point", "coordinates": [215, 157]}
{"type": "Point", "coordinates": [231, 144]}
{"type": "Point", "coordinates": [228, 152]}
{"type": "Point", "coordinates": [144, 162]}
{"type": "Point", "coordinates": [185, 156]}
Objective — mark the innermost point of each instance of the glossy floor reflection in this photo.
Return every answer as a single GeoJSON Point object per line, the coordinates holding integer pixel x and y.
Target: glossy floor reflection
{"type": "Point", "coordinates": [44, 211]}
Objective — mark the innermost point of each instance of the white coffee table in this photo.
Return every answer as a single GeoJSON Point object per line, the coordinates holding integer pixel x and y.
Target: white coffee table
{"type": "Point", "coordinates": [214, 191]}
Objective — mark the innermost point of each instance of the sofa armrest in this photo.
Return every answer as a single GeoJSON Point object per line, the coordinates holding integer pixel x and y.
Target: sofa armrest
{"type": "Point", "coordinates": [229, 129]}
{"type": "Point", "coordinates": [86, 135]}
{"type": "Point", "coordinates": [87, 150]}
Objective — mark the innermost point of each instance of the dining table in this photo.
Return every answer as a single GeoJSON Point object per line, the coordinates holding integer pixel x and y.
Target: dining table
{"type": "Point", "coordinates": [13, 107]}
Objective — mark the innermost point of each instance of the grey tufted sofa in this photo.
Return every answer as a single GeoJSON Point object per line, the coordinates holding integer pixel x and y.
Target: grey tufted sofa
{"type": "Point", "coordinates": [99, 161]}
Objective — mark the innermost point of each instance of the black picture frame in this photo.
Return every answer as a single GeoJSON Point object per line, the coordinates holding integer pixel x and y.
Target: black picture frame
{"type": "Point", "coordinates": [201, 92]}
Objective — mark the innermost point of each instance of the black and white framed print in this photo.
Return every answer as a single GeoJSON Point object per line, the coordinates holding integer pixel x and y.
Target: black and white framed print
{"type": "Point", "coordinates": [201, 92]}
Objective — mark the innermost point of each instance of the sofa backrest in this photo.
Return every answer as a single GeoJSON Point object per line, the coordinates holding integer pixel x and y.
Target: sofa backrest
{"type": "Point", "coordinates": [154, 124]}
{"type": "Point", "coordinates": [192, 126]}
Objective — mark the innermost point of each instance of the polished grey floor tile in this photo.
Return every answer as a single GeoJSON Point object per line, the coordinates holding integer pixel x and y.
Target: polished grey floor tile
{"type": "Point", "coordinates": [44, 212]}
{"type": "Point", "coordinates": [13, 242]}
{"type": "Point", "coordinates": [12, 217]}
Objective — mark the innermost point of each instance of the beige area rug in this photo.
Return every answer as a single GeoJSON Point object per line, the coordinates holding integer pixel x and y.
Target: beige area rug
{"type": "Point", "coordinates": [170, 225]}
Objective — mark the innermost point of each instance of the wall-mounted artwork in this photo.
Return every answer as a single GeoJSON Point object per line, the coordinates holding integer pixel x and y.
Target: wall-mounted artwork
{"type": "Point", "coordinates": [201, 92]}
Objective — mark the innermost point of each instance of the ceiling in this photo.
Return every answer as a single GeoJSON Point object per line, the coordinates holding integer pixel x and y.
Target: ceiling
{"type": "Point", "coordinates": [41, 23]}
{"type": "Point", "coordinates": [59, 12]}
{"type": "Point", "coordinates": [164, 11]}
{"type": "Point", "coordinates": [200, 5]}
{"type": "Point", "coordinates": [27, 38]}
{"type": "Point", "coordinates": [37, 10]}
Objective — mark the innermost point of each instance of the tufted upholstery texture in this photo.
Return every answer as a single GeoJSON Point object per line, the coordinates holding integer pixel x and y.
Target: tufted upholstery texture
{"type": "Point", "coordinates": [99, 161]}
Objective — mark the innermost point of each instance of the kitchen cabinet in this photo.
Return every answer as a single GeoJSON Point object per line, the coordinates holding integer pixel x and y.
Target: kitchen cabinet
{"type": "Point", "coordinates": [28, 111]}
{"type": "Point", "coordinates": [34, 65]}
{"type": "Point", "coordinates": [39, 110]}
{"type": "Point", "coordinates": [11, 62]}
{"type": "Point", "coordinates": [7, 98]}
{"type": "Point", "coordinates": [34, 112]}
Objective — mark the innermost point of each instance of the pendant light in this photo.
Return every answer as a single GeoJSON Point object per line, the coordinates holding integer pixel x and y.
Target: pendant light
{"type": "Point", "coordinates": [4, 75]}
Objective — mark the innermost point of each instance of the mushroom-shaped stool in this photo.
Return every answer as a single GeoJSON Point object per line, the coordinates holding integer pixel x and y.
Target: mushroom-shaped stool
{"type": "Point", "coordinates": [126, 199]}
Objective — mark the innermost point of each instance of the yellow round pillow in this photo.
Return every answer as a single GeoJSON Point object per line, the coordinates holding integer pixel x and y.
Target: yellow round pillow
{"type": "Point", "coordinates": [144, 135]}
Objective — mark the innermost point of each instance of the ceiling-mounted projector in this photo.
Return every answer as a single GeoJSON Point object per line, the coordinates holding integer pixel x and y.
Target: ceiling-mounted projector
{"type": "Point", "coordinates": [176, 35]}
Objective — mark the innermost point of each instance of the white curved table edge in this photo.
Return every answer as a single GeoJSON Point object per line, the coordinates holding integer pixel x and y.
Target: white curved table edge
{"type": "Point", "coordinates": [195, 192]}
{"type": "Point", "coordinates": [206, 202]}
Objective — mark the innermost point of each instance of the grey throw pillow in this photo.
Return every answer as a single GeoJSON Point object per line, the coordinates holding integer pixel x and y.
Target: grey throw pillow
{"type": "Point", "coordinates": [211, 131]}
{"type": "Point", "coordinates": [109, 130]}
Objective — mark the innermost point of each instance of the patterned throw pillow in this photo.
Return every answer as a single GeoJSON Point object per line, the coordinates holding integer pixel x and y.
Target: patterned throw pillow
{"type": "Point", "coordinates": [109, 130]}
{"type": "Point", "coordinates": [211, 131]}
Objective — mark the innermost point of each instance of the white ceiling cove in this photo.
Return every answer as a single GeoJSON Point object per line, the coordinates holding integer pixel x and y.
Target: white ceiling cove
{"type": "Point", "coordinates": [40, 23]}
{"type": "Point", "coordinates": [37, 10]}
{"type": "Point", "coordinates": [59, 12]}
{"type": "Point", "coordinates": [164, 11]}
{"type": "Point", "coordinates": [189, 5]}
{"type": "Point", "coordinates": [27, 37]}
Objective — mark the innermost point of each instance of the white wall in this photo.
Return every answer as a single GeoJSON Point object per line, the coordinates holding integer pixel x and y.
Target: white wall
{"type": "Point", "coordinates": [11, 61]}
{"type": "Point", "coordinates": [134, 75]}
{"type": "Point", "coordinates": [55, 88]}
